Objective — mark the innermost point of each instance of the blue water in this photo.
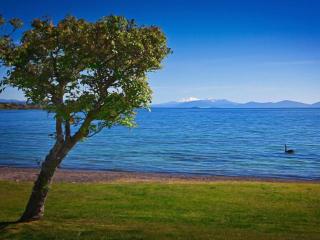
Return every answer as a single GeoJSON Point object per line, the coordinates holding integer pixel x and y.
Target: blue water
{"type": "Point", "coordinates": [228, 142]}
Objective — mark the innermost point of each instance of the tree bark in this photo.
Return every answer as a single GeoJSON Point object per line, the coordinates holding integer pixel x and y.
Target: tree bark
{"type": "Point", "coordinates": [35, 207]}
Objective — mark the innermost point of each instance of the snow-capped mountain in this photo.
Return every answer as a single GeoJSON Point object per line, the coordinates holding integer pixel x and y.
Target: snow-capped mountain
{"type": "Point", "coordinates": [194, 102]}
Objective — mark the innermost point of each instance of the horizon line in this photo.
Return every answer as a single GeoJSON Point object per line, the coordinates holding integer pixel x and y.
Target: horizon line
{"type": "Point", "coordinates": [194, 99]}
{"type": "Point", "coordinates": [224, 99]}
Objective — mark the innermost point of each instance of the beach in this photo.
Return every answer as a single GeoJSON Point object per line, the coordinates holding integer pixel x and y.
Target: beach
{"type": "Point", "coordinates": [91, 176]}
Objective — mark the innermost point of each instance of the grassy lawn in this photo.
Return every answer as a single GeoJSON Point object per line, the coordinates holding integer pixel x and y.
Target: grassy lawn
{"type": "Point", "coordinates": [217, 210]}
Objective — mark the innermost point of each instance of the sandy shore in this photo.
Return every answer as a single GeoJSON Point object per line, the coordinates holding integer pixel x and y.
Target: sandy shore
{"type": "Point", "coordinates": [64, 175]}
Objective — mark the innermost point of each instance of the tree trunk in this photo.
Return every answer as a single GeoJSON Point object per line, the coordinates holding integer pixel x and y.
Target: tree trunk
{"type": "Point", "coordinates": [35, 207]}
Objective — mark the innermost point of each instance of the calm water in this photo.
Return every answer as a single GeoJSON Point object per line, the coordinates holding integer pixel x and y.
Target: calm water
{"type": "Point", "coordinates": [231, 142]}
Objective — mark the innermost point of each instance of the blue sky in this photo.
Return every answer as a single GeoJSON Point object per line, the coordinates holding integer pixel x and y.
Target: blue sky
{"type": "Point", "coordinates": [236, 50]}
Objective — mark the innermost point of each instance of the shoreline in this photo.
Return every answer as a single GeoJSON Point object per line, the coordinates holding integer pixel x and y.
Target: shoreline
{"type": "Point", "coordinates": [17, 174]}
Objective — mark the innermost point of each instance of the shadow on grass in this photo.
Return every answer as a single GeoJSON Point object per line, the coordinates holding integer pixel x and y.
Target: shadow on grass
{"type": "Point", "coordinates": [4, 225]}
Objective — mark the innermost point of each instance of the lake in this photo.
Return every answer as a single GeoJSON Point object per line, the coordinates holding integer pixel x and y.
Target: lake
{"type": "Point", "coordinates": [223, 142]}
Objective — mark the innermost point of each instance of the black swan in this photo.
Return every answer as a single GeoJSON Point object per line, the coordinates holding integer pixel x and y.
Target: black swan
{"type": "Point", "coordinates": [286, 150]}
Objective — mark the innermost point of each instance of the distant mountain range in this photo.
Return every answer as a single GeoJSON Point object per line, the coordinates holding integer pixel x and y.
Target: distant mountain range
{"type": "Point", "coordinates": [211, 103]}
{"type": "Point", "coordinates": [12, 101]}
{"type": "Point", "coordinates": [17, 104]}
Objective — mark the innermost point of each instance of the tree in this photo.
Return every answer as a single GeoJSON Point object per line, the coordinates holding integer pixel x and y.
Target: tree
{"type": "Point", "coordinates": [91, 76]}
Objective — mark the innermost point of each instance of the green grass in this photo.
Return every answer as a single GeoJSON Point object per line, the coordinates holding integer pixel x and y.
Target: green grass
{"type": "Point", "coordinates": [218, 210]}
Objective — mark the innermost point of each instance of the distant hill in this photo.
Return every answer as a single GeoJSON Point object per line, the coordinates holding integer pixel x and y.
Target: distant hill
{"type": "Point", "coordinates": [281, 104]}
{"type": "Point", "coordinates": [316, 105]}
{"type": "Point", "coordinates": [188, 103]}
{"type": "Point", "coordinates": [12, 101]}
{"type": "Point", "coordinates": [206, 103]}
{"type": "Point", "coordinates": [209, 103]}
{"type": "Point", "coordinates": [17, 104]}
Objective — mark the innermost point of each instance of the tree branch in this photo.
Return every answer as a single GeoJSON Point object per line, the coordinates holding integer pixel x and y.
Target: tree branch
{"type": "Point", "coordinates": [59, 131]}
{"type": "Point", "coordinates": [84, 128]}
{"type": "Point", "coordinates": [96, 132]}
{"type": "Point", "coordinates": [67, 130]}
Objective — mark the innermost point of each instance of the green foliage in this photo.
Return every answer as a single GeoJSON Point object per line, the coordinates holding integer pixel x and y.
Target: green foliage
{"type": "Point", "coordinates": [85, 71]}
{"type": "Point", "coordinates": [16, 23]}
{"type": "Point", "coordinates": [2, 20]}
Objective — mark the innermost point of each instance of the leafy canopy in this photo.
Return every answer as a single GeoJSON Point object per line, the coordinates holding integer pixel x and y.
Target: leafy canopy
{"type": "Point", "coordinates": [92, 75]}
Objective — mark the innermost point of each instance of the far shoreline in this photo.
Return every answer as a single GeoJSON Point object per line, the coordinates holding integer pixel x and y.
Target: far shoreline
{"type": "Point", "coordinates": [29, 174]}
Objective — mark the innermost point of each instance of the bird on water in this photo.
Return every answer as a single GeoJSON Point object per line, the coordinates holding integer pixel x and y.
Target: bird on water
{"type": "Point", "coordinates": [288, 151]}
